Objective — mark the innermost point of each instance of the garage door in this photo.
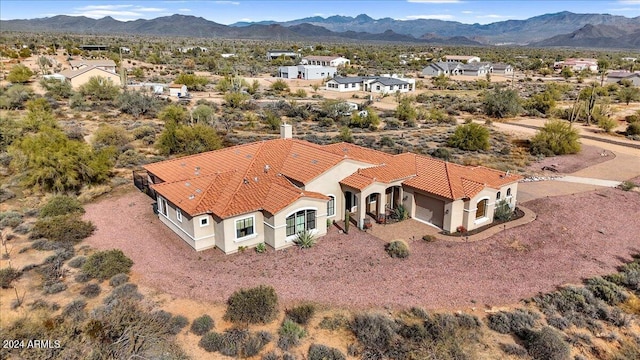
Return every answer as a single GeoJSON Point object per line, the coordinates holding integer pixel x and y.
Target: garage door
{"type": "Point", "coordinates": [429, 209]}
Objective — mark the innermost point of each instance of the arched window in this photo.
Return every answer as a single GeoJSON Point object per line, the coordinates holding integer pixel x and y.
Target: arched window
{"type": "Point", "coordinates": [301, 221]}
{"type": "Point", "coordinates": [331, 206]}
{"type": "Point", "coordinates": [481, 211]}
{"type": "Point", "coordinates": [508, 192]}
{"type": "Point", "coordinates": [498, 196]}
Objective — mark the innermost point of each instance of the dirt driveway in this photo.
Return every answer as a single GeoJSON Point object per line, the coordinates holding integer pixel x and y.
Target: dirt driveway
{"type": "Point", "coordinates": [561, 246]}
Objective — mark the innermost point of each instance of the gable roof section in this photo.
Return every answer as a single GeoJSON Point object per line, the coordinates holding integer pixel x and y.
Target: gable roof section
{"type": "Point", "coordinates": [347, 79]}
{"type": "Point", "coordinates": [99, 62]}
{"type": "Point", "coordinates": [70, 74]}
{"type": "Point", "coordinates": [387, 81]}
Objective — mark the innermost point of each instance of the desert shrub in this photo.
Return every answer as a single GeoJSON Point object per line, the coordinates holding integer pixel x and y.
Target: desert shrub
{"type": "Point", "coordinates": [255, 305]}
{"type": "Point", "coordinates": [429, 238]}
{"type": "Point", "coordinates": [7, 276]}
{"type": "Point", "coordinates": [61, 205]}
{"type": "Point", "coordinates": [557, 137]}
{"type": "Point", "coordinates": [503, 211]}
{"type": "Point", "coordinates": [54, 288]}
{"type": "Point", "coordinates": [335, 322]}
{"type": "Point", "coordinates": [605, 290]}
{"type": "Point", "coordinates": [64, 228]}
{"type": "Point", "coordinates": [441, 153]}
{"type": "Point", "coordinates": [301, 314]}
{"type": "Point", "coordinates": [290, 334]}
{"type": "Point", "coordinates": [606, 123]}
{"type": "Point", "coordinates": [323, 352]}
{"type": "Point", "coordinates": [202, 325]}
{"type": "Point", "coordinates": [211, 342]}
{"type": "Point", "coordinates": [628, 276]}
{"type": "Point", "coordinates": [280, 85]}
{"type": "Point", "coordinates": [470, 137]}
{"type": "Point", "coordinates": [397, 249]}
{"type": "Point", "coordinates": [270, 356]}
{"type": "Point", "coordinates": [77, 262]}
{"type": "Point", "coordinates": [627, 185]}
{"type": "Point", "coordinates": [10, 219]}
{"type": "Point", "coordinates": [90, 290]}
{"type": "Point", "coordinates": [143, 131]}
{"type": "Point", "coordinates": [110, 135]}
{"type": "Point", "coordinates": [546, 344]}
{"type": "Point", "coordinates": [305, 239]}
{"type": "Point", "coordinates": [118, 279]}
{"type": "Point", "coordinates": [374, 331]}
{"type": "Point", "coordinates": [254, 343]}
{"type": "Point", "coordinates": [130, 158]}
{"type": "Point", "coordinates": [102, 265]}
{"type": "Point", "coordinates": [502, 103]}
{"type": "Point", "coordinates": [75, 309]}
{"type": "Point", "coordinates": [126, 291]}
{"type": "Point", "coordinates": [633, 128]}
{"type": "Point", "coordinates": [99, 89]}
{"type": "Point", "coordinates": [558, 322]}
{"type": "Point", "coordinates": [82, 278]}
{"type": "Point", "coordinates": [512, 322]}
{"type": "Point", "coordinates": [514, 349]}
{"type": "Point", "coordinates": [261, 248]}
{"type": "Point", "coordinates": [177, 323]}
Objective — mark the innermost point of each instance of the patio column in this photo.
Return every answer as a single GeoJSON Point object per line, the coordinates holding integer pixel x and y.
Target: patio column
{"type": "Point", "coordinates": [381, 204]}
{"type": "Point", "coordinates": [360, 200]}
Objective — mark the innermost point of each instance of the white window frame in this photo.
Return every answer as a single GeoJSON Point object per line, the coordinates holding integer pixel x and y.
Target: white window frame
{"type": "Point", "coordinates": [333, 197]}
{"type": "Point", "coordinates": [163, 207]}
{"type": "Point", "coordinates": [485, 217]}
{"type": "Point", "coordinates": [204, 221]}
{"type": "Point", "coordinates": [247, 237]}
{"type": "Point", "coordinates": [311, 231]}
{"type": "Point", "coordinates": [178, 214]}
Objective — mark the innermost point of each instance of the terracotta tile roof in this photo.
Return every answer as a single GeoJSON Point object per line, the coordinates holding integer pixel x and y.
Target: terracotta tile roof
{"type": "Point", "coordinates": [398, 167]}
{"type": "Point", "coordinates": [358, 153]}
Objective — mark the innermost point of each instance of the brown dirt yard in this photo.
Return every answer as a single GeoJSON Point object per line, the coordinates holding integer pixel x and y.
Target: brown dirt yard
{"type": "Point", "coordinates": [561, 246]}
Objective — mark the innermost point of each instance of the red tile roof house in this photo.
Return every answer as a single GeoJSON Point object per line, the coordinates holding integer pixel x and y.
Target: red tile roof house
{"type": "Point", "coordinates": [269, 191]}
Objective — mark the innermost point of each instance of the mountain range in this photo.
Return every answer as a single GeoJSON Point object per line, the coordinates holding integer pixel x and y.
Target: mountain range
{"type": "Point", "coordinates": [560, 29]}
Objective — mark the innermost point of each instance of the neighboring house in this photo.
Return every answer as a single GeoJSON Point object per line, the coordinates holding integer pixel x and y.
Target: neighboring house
{"type": "Point", "coordinates": [125, 50]}
{"type": "Point", "coordinates": [274, 54]}
{"type": "Point", "coordinates": [269, 191]}
{"type": "Point", "coordinates": [227, 55]}
{"type": "Point", "coordinates": [442, 68]}
{"type": "Point", "coordinates": [80, 77]}
{"type": "Point", "coordinates": [106, 65]}
{"type": "Point", "coordinates": [94, 47]}
{"type": "Point", "coordinates": [325, 61]}
{"type": "Point", "coordinates": [475, 69]}
{"type": "Point", "coordinates": [186, 49]}
{"type": "Point", "coordinates": [307, 72]}
{"type": "Point", "coordinates": [502, 69]}
{"type": "Point", "coordinates": [632, 59]}
{"type": "Point", "coordinates": [376, 84]}
{"type": "Point", "coordinates": [178, 90]}
{"type": "Point", "coordinates": [461, 58]}
{"type": "Point", "coordinates": [618, 76]}
{"type": "Point", "coordinates": [576, 64]}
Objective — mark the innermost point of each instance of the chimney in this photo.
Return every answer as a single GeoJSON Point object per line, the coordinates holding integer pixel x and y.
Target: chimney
{"type": "Point", "coordinates": [286, 131]}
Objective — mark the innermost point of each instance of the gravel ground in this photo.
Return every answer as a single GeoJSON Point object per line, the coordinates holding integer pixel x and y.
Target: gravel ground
{"type": "Point", "coordinates": [562, 246]}
{"type": "Point", "coordinates": [567, 164]}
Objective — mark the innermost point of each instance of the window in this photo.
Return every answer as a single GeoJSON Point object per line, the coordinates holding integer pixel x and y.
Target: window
{"type": "Point", "coordinates": [179, 215]}
{"type": "Point", "coordinates": [481, 211]}
{"type": "Point", "coordinates": [331, 206]}
{"type": "Point", "coordinates": [377, 87]}
{"type": "Point", "coordinates": [498, 196]}
{"type": "Point", "coordinates": [244, 227]}
{"type": "Point", "coordinates": [353, 85]}
{"type": "Point", "coordinates": [301, 221]}
{"type": "Point", "coordinates": [204, 221]}
{"type": "Point", "coordinates": [508, 192]}
{"type": "Point", "coordinates": [163, 207]}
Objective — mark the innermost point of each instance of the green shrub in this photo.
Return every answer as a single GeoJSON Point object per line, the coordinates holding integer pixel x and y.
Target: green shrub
{"type": "Point", "coordinates": [202, 325]}
{"type": "Point", "coordinates": [77, 262]}
{"type": "Point", "coordinates": [546, 344]}
{"type": "Point", "coordinates": [280, 85]}
{"type": "Point", "coordinates": [102, 265]}
{"type": "Point", "coordinates": [177, 323]}
{"type": "Point", "coordinates": [397, 249]}
{"type": "Point", "coordinates": [290, 334]}
{"type": "Point", "coordinates": [261, 248]}
{"type": "Point", "coordinates": [7, 276]}
{"type": "Point", "coordinates": [252, 306]}
{"type": "Point", "coordinates": [322, 352]}
{"type": "Point", "coordinates": [514, 349]}
{"type": "Point", "coordinates": [109, 135]}
{"type": "Point", "coordinates": [90, 290]}
{"type": "Point", "coordinates": [374, 331]}
{"type": "Point", "coordinates": [305, 239]}
{"type": "Point", "coordinates": [512, 322]}
{"type": "Point", "coordinates": [75, 310]}
{"type": "Point", "coordinates": [557, 137]}
{"type": "Point", "coordinates": [64, 228]}
{"type": "Point", "coordinates": [10, 219]}
{"type": "Point", "coordinates": [607, 291]}
{"type": "Point", "coordinates": [301, 314]}
{"type": "Point", "coordinates": [143, 131]}
{"type": "Point", "coordinates": [503, 211]}
{"type": "Point", "coordinates": [334, 322]}
{"type": "Point", "coordinates": [502, 103]}
{"type": "Point", "coordinates": [627, 185]}
{"type": "Point", "coordinates": [81, 278]}
{"type": "Point", "coordinates": [54, 288]}
{"type": "Point", "coordinates": [124, 292]}
{"type": "Point", "coordinates": [118, 279]}
{"type": "Point", "coordinates": [211, 342]}
{"type": "Point", "coordinates": [470, 137]}
{"type": "Point", "coordinates": [633, 128]}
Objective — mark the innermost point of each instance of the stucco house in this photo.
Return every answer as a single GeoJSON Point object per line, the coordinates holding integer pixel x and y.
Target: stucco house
{"type": "Point", "coordinates": [107, 65]}
{"type": "Point", "coordinates": [269, 191]}
{"type": "Point", "coordinates": [475, 69]}
{"type": "Point", "coordinates": [442, 68]}
{"type": "Point", "coordinates": [578, 64]}
{"type": "Point", "coordinates": [274, 54]}
{"type": "Point", "coordinates": [618, 76]}
{"type": "Point", "coordinates": [462, 58]}
{"type": "Point", "coordinates": [79, 77]}
{"type": "Point", "coordinates": [375, 84]}
{"type": "Point", "coordinates": [178, 90]}
{"type": "Point", "coordinates": [307, 72]}
{"type": "Point", "coordinates": [502, 69]}
{"type": "Point", "coordinates": [325, 61]}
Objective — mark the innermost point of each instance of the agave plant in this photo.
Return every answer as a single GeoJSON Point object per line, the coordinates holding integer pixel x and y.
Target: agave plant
{"type": "Point", "coordinates": [305, 240]}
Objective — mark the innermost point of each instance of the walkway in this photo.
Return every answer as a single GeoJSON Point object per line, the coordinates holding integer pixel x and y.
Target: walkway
{"type": "Point", "coordinates": [588, 181]}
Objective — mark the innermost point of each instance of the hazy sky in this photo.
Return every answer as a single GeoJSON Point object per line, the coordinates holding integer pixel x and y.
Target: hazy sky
{"type": "Point", "coordinates": [227, 12]}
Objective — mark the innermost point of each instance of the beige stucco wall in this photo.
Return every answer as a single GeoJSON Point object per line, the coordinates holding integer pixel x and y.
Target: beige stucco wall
{"type": "Point", "coordinates": [230, 244]}
{"type": "Point", "coordinates": [82, 79]}
{"type": "Point", "coordinates": [280, 239]}
{"type": "Point", "coordinates": [189, 229]}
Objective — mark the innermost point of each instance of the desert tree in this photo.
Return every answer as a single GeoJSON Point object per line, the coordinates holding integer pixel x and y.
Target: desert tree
{"type": "Point", "coordinates": [19, 74]}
